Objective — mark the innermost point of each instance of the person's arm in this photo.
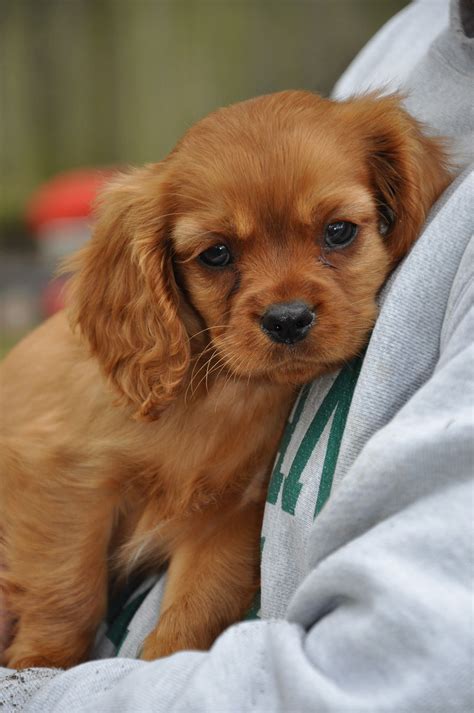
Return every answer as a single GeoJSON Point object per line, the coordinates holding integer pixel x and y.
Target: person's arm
{"type": "Point", "coordinates": [383, 620]}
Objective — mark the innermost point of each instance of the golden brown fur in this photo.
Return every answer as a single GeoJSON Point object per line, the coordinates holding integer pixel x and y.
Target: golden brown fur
{"type": "Point", "coordinates": [146, 431]}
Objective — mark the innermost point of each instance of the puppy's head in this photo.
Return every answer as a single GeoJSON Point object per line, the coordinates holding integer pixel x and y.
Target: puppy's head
{"type": "Point", "coordinates": [270, 228]}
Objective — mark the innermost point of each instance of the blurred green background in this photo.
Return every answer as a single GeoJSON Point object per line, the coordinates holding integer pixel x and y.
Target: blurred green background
{"type": "Point", "coordinates": [110, 82]}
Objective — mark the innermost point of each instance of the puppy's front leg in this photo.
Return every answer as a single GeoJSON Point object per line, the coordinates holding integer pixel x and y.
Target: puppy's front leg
{"type": "Point", "coordinates": [56, 583]}
{"type": "Point", "coordinates": [212, 577]}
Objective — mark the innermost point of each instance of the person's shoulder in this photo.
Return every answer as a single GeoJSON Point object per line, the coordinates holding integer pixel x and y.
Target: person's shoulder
{"type": "Point", "coordinates": [389, 57]}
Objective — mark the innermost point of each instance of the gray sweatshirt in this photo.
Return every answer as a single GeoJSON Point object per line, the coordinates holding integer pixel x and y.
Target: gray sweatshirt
{"type": "Point", "coordinates": [367, 541]}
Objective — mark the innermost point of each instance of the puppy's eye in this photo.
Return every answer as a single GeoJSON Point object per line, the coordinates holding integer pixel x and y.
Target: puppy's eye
{"type": "Point", "coordinates": [217, 256]}
{"type": "Point", "coordinates": [340, 234]}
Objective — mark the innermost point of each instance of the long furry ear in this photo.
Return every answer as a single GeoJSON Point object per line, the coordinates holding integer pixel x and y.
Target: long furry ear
{"type": "Point", "coordinates": [409, 170]}
{"type": "Point", "coordinates": [123, 296]}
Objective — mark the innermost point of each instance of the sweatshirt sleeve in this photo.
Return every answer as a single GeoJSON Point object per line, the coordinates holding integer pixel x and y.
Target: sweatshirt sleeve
{"type": "Point", "coordinates": [383, 620]}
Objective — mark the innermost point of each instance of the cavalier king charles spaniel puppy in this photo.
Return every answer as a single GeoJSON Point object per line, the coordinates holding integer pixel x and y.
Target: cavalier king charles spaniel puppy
{"type": "Point", "coordinates": [140, 426]}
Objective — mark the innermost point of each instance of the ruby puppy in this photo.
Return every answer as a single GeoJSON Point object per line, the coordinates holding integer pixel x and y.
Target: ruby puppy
{"type": "Point", "coordinates": [140, 426]}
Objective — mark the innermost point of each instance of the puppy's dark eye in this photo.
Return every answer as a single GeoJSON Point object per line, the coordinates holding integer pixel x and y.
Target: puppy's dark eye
{"type": "Point", "coordinates": [217, 256]}
{"type": "Point", "coordinates": [340, 234]}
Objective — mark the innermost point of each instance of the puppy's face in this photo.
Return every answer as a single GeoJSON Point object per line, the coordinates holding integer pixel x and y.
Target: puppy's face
{"type": "Point", "coordinates": [268, 230]}
{"type": "Point", "coordinates": [279, 244]}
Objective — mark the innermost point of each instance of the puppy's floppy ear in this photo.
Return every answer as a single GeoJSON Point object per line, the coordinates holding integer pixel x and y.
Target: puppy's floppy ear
{"type": "Point", "coordinates": [123, 295]}
{"type": "Point", "coordinates": [409, 170]}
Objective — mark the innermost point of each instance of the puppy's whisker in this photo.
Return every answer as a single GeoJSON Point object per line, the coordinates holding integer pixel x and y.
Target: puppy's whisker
{"type": "Point", "coordinates": [195, 374]}
{"type": "Point", "coordinates": [202, 367]}
{"type": "Point", "coordinates": [226, 340]}
{"type": "Point", "coordinates": [248, 379]}
{"type": "Point", "coordinates": [208, 329]}
{"type": "Point", "coordinates": [195, 365]}
{"type": "Point", "coordinates": [233, 367]}
{"type": "Point", "coordinates": [206, 375]}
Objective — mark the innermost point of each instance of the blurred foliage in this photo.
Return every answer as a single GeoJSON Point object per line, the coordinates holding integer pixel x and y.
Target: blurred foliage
{"type": "Point", "coordinates": [94, 82]}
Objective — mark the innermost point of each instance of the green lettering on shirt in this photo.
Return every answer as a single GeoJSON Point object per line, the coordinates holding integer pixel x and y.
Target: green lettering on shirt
{"type": "Point", "coordinates": [336, 405]}
{"type": "Point", "coordinates": [277, 475]}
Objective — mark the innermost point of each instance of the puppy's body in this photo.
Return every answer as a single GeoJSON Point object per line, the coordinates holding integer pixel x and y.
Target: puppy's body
{"type": "Point", "coordinates": [122, 494]}
{"type": "Point", "coordinates": [247, 263]}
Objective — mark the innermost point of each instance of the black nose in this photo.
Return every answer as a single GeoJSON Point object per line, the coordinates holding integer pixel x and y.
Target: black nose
{"type": "Point", "coordinates": [287, 322]}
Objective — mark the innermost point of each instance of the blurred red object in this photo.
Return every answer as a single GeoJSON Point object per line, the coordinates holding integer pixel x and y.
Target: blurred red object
{"type": "Point", "coordinates": [59, 215]}
{"type": "Point", "coordinates": [68, 195]}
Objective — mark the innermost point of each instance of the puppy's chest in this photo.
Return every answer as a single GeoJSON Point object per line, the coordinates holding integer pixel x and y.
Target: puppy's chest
{"type": "Point", "coordinates": [204, 453]}
{"type": "Point", "coordinates": [196, 476]}
{"type": "Point", "coordinates": [195, 467]}
{"type": "Point", "coordinates": [166, 500]}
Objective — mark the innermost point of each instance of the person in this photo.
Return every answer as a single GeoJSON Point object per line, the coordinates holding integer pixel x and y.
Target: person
{"type": "Point", "coordinates": [365, 601]}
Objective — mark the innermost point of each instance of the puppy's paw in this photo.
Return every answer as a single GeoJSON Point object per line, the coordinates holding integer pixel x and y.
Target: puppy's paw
{"type": "Point", "coordinates": [30, 662]}
{"type": "Point", "coordinates": [176, 632]}
{"type": "Point", "coordinates": [157, 646]}
{"type": "Point", "coordinates": [20, 655]}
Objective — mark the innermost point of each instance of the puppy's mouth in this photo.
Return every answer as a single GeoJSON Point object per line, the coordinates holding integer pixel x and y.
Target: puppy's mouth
{"type": "Point", "coordinates": [280, 365]}
{"type": "Point", "coordinates": [293, 369]}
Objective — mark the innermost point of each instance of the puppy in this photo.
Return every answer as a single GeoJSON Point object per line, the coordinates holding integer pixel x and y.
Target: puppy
{"type": "Point", "coordinates": [141, 426]}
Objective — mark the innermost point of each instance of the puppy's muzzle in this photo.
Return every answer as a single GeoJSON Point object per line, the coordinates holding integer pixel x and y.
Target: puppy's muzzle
{"type": "Point", "coordinates": [287, 322]}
